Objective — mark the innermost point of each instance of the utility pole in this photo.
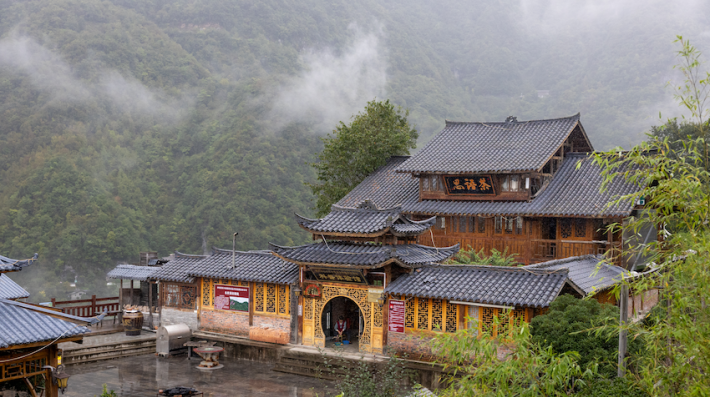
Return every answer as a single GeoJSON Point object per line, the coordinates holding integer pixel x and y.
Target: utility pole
{"type": "Point", "coordinates": [234, 252]}
{"type": "Point", "coordinates": [623, 333]}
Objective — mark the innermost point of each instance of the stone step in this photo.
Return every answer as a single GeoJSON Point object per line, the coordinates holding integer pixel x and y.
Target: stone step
{"type": "Point", "coordinates": [314, 365]}
{"type": "Point", "coordinates": [107, 351]}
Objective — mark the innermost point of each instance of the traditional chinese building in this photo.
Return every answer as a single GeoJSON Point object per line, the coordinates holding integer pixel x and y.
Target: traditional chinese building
{"type": "Point", "coordinates": [178, 291]}
{"type": "Point", "coordinates": [528, 188]}
{"type": "Point", "coordinates": [29, 335]}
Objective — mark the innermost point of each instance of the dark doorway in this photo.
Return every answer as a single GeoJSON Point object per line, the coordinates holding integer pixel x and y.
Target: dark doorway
{"type": "Point", "coordinates": [352, 317]}
{"type": "Point", "coordinates": [549, 229]}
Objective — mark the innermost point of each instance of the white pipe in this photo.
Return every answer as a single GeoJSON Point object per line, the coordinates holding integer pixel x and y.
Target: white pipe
{"type": "Point", "coordinates": [482, 305]}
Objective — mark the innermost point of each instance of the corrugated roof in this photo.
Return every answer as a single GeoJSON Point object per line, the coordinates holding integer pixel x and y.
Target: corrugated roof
{"type": "Point", "coordinates": [132, 272]}
{"type": "Point", "coordinates": [493, 285]}
{"type": "Point", "coordinates": [366, 219]}
{"type": "Point", "coordinates": [256, 266]}
{"type": "Point", "coordinates": [20, 326]}
{"type": "Point", "coordinates": [588, 272]}
{"type": "Point", "coordinates": [385, 187]}
{"type": "Point", "coordinates": [12, 265]}
{"type": "Point", "coordinates": [474, 147]}
{"type": "Point", "coordinates": [10, 289]}
{"type": "Point", "coordinates": [364, 255]}
{"type": "Point", "coordinates": [178, 269]}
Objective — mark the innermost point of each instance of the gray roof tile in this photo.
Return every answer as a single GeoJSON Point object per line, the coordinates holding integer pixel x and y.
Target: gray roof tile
{"type": "Point", "coordinates": [474, 147]}
{"type": "Point", "coordinates": [256, 266]}
{"type": "Point", "coordinates": [365, 219]}
{"type": "Point", "coordinates": [178, 269]}
{"type": "Point", "coordinates": [10, 289]}
{"type": "Point", "coordinates": [12, 265]}
{"type": "Point", "coordinates": [364, 255]}
{"type": "Point", "coordinates": [20, 326]}
{"type": "Point", "coordinates": [385, 187]}
{"type": "Point", "coordinates": [493, 285]}
{"type": "Point", "coordinates": [132, 272]}
{"type": "Point", "coordinates": [587, 272]}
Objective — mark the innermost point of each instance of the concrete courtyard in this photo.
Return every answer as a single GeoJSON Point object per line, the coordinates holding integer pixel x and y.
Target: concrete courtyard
{"type": "Point", "coordinates": [144, 375]}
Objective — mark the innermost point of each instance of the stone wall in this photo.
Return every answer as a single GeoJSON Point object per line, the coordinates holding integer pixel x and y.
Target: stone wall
{"type": "Point", "coordinates": [413, 345]}
{"type": "Point", "coordinates": [237, 323]}
{"type": "Point", "coordinates": [171, 316]}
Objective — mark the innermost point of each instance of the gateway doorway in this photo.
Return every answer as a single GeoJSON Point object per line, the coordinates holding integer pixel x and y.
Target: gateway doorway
{"type": "Point", "coordinates": [342, 323]}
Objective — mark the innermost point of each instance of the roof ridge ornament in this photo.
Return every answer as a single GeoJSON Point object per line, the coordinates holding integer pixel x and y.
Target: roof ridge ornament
{"type": "Point", "coordinates": [511, 119]}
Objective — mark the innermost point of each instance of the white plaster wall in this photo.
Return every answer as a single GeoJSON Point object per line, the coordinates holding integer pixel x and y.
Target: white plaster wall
{"type": "Point", "coordinates": [170, 316]}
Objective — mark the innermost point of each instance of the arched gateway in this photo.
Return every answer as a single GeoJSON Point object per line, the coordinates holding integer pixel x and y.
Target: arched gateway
{"type": "Point", "coordinates": [356, 263]}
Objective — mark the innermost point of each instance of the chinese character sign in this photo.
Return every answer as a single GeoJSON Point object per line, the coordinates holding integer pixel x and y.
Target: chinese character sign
{"type": "Point", "coordinates": [469, 184]}
{"type": "Point", "coordinates": [396, 316]}
{"type": "Point", "coordinates": [230, 297]}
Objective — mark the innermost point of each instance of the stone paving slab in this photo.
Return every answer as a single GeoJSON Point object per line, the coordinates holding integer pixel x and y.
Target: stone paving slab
{"type": "Point", "coordinates": [144, 375]}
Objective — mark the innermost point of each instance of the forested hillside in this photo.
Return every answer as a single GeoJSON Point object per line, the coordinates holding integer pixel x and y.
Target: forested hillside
{"type": "Point", "coordinates": [132, 125]}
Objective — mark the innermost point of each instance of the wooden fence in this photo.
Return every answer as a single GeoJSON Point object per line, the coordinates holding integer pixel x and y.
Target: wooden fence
{"type": "Point", "coordinates": [89, 307]}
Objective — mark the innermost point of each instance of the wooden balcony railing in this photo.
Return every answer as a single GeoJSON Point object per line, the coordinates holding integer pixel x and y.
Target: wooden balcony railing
{"type": "Point", "coordinates": [89, 307]}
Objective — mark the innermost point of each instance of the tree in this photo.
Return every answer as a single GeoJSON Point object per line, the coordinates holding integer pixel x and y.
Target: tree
{"type": "Point", "coordinates": [354, 151]}
{"type": "Point", "coordinates": [676, 186]}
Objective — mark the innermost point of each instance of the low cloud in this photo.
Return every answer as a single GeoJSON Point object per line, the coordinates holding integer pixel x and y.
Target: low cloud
{"type": "Point", "coordinates": [334, 85]}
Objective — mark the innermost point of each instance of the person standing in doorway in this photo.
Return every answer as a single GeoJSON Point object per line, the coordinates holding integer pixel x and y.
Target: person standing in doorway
{"type": "Point", "coordinates": [340, 327]}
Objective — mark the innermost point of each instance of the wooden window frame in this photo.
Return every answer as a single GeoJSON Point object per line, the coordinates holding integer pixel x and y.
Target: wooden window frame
{"type": "Point", "coordinates": [498, 225]}
{"type": "Point", "coordinates": [266, 300]}
{"type": "Point", "coordinates": [181, 291]}
{"type": "Point", "coordinates": [429, 326]}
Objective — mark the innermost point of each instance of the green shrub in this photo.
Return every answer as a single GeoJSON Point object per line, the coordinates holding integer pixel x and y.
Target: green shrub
{"type": "Point", "coordinates": [496, 258]}
{"type": "Point", "coordinates": [569, 324]}
{"type": "Point", "coordinates": [615, 387]}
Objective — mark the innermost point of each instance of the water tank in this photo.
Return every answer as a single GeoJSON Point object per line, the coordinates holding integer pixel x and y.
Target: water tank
{"type": "Point", "coordinates": [171, 338]}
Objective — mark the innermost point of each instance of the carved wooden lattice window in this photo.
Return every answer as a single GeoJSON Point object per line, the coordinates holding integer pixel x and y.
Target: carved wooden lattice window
{"type": "Point", "coordinates": [422, 313]}
{"type": "Point", "coordinates": [283, 299]}
{"type": "Point", "coordinates": [259, 297]}
{"type": "Point", "coordinates": [308, 308]}
{"type": "Point", "coordinates": [487, 314]}
{"type": "Point", "coordinates": [503, 321]}
{"type": "Point", "coordinates": [580, 227]}
{"type": "Point", "coordinates": [211, 292]}
{"type": "Point", "coordinates": [409, 313]}
{"type": "Point", "coordinates": [188, 297]}
{"type": "Point", "coordinates": [270, 298]}
{"type": "Point", "coordinates": [437, 314]}
{"type": "Point", "coordinates": [518, 316]}
{"type": "Point", "coordinates": [481, 224]}
{"type": "Point", "coordinates": [565, 227]}
{"type": "Point", "coordinates": [452, 317]}
{"type": "Point", "coordinates": [171, 298]}
{"type": "Point", "coordinates": [206, 292]}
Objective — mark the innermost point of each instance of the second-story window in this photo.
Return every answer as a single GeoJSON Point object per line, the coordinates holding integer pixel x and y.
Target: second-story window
{"type": "Point", "coordinates": [510, 183]}
{"type": "Point", "coordinates": [432, 183]}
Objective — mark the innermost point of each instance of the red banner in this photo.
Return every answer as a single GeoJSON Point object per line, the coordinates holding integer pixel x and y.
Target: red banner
{"type": "Point", "coordinates": [231, 297]}
{"type": "Point", "coordinates": [396, 316]}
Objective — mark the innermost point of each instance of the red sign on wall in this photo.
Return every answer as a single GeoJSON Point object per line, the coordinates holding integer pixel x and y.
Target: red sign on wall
{"type": "Point", "coordinates": [396, 316]}
{"type": "Point", "coordinates": [231, 297]}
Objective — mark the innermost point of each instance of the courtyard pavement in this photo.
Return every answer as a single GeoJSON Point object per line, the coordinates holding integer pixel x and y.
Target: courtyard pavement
{"type": "Point", "coordinates": [144, 375]}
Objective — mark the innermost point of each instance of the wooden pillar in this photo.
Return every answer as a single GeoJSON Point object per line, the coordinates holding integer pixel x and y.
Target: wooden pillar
{"type": "Point", "coordinates": [623, 333]}
{"type": "Point", "coordinates": [251, 303]}
{"type": "Point", "coordinates": [150, 304]}
{"type": "Point", "coordinates": [131, 292]}
{"type": "Point", "coordinates": [51, 389]}
{"type": "Point", "coordinates": [120, 303]}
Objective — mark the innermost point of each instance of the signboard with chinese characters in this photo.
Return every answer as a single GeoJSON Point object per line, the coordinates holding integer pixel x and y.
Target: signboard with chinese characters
{"type": "Point", "coordinates": [231, 297]}
{"type": "Point", "coordinates": [338, 275]}
{"type": "Point", "coordinates": [395, 320]}
{"type": "Point", "coordinates": [479, 185]}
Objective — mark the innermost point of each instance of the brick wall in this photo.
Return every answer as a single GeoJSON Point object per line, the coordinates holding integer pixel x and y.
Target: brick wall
{"type": "Point", "coordinates": [170, 316]}
{"type": "Point", "coordinates": [412, 344]}
{"type": "Point", "coordinates": [236, 323]}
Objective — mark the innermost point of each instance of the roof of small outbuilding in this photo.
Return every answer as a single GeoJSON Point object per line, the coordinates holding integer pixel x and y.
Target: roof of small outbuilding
{"type": "Point", "coordinates": [252, 266]}
{"type": "Point", "coordinates": [19, 326]}
{"type": "Point", "coordinates": [574, 191]}
{"type": "Point", "coordinates": [132, 272]}
{"type": "Point", "coordinates": [10, 289]}
{"type": "Point", "coordinates": [492, 285]}
{"type": "Point", "coordinates": [499, 147]}
{"type": "Point", "coordinates": [178, 270]}
{"type": "Point", "coordinates": [364, 255]}
{"type": "Point", "coordinates": [589, 272]}
{"type": "Point", "coordinates": [12, 265]}
{"type": "Point", "coordinates": [366, 219]}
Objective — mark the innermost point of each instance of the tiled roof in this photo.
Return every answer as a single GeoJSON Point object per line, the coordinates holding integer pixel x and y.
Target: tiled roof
{"type": "Point", "coordinates": [587, 272]}
{"type": "Point", "coordinates": [132, 272]}
{"type": "Point", "coordinates": [366, 219]}
{"type": "Point", "coordinates": [19, 326]}
{"type": "Point", "coordinates": [364, 255]}
{"type": "Point", "coordinates": [10, 289]}
{"type": "Point", "coordinates": [473, 147]}
{"type": "Point", "coordinates": [572, 192]}
{"type": "Point", "coordinates": [11, 265]}
{"type": "Point", "coordinates": [493, 285]}
{"type": "Point", "coordinates": [178, 269]}
{"type": "Point", "coordinates": [256, 266]}
{"type": "Point", "coordinates": [384, 187]}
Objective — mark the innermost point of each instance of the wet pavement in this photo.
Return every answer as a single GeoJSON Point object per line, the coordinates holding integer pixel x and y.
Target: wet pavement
{"type": "Point", "coordinates": [144, 375]}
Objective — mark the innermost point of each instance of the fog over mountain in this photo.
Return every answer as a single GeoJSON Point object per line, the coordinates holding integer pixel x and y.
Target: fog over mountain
{"type": "Point", "coordinates": [133, 125]}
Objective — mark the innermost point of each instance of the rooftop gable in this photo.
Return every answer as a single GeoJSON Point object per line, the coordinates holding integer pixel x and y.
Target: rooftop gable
{"type": "Point", "coordinates": [13, 265]}
{"type": "Point", "coordinates": [132, 272]}
{"type": "Point", "coordinates": [589, 272]}
{"type": "Point", "coordinates": [20, 325]}
{"type": "Point", "coordinates": [10, 289]}
{"type": "Point", "coordinates": [251, 266]}
{"type": "Point", "coordinates": [178, 269]}
{"type": "Point", "coordinates": [494, 147]}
